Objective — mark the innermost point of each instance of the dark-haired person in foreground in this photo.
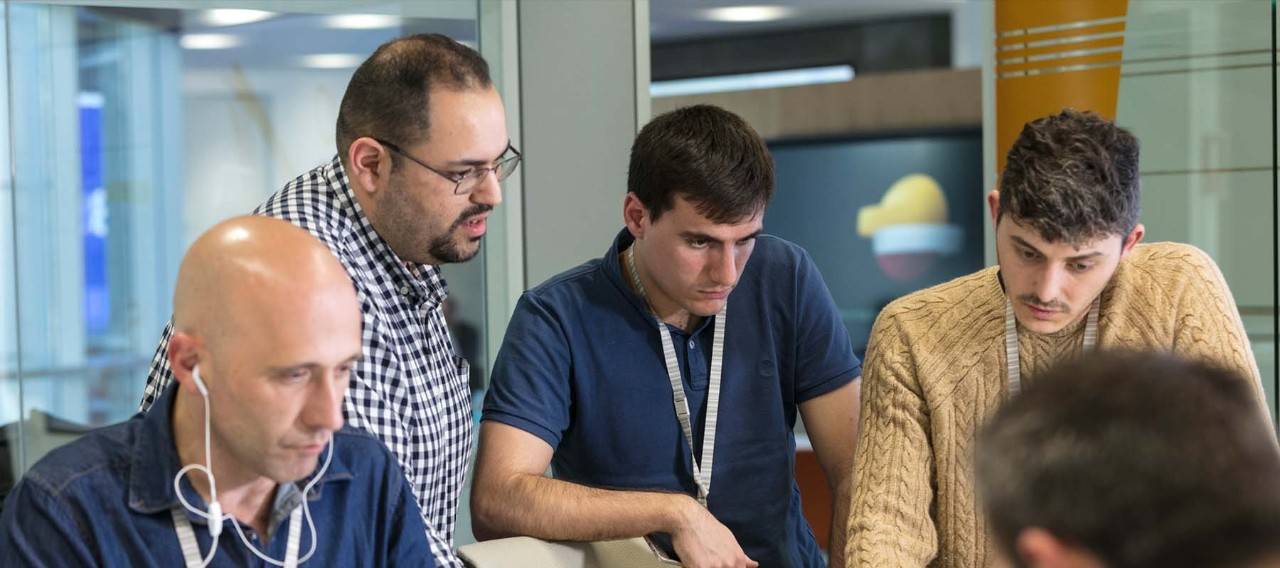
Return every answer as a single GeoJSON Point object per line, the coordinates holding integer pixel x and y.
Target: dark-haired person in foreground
{"type": "Point", "coordinates": [422, 146]}
{"type": "Point", "coordinates": [692, 317]}
{"type": "Point", "coordinates": [1170, 469]}
{"type": "Point", "coordinates": [1071, 277]}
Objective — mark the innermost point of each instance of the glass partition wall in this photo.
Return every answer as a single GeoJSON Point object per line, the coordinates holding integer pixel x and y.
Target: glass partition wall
{"type": "Point", "coordinates": [1195, 81]}
{"type": "Point", "coordinates": [131, 128]}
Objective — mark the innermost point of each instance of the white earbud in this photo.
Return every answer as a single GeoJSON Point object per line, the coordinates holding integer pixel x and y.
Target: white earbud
{"type": "Point", "coordinates": [215, 508]}
{"type": "Point", "coordinates": [214, 514]}
{"type": "Point", "coordinates": [195, 374]}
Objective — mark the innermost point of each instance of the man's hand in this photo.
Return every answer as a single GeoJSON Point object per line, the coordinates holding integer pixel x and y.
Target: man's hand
{"type": "Point", "coordinates": [701, 541]}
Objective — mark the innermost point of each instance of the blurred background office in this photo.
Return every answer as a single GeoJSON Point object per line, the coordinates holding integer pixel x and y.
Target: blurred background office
{"type": "Point", "coordinates": [131, 126]}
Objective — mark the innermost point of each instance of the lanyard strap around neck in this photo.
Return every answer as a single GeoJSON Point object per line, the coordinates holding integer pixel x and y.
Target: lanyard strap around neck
{"type": "Point", "coordinates": [701, 470]}
{"type": "Point", "coordinates": [191, 548]}
{"type": "Point", "coordinates": [1014, 361]}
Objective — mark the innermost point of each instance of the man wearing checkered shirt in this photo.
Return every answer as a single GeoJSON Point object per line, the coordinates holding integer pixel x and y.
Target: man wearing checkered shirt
{"type": "Point", "coordinates": [422, 146]}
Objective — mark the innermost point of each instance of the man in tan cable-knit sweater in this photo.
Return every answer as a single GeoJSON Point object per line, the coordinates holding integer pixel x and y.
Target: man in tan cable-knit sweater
{"type": "Point", "coordinates": [1067, 233]}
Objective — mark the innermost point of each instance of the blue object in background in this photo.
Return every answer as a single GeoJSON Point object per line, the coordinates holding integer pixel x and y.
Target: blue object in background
{"type": "Point", "coordinates": [97, 289]}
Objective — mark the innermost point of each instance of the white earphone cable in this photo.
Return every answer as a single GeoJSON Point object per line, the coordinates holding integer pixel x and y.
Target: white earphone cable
{"type": "Point", "coordinates": [214, 516]}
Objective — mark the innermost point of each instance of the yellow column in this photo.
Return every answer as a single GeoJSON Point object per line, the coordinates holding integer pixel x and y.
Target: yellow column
{"type": "Point", "coordinates": [1053, 54]}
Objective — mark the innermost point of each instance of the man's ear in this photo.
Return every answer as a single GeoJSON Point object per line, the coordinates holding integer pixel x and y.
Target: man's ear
{"type": "Point", "coordinates": [368, 164]}
{"type": "Point", "coordinates": [1132, 239]}
{"type": "Point", "coordinates": [993, 205]}
{"type": "Point", "coordinates": [1038, 548]}
{"type": "Point", "coordinates": [635, 215]}
{"type": "Point", "coordinates": [183, 357]}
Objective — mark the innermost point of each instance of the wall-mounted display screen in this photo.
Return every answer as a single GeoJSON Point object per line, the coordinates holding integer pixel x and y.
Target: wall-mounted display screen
{"type": "Point", "coordinates": [882, 216]}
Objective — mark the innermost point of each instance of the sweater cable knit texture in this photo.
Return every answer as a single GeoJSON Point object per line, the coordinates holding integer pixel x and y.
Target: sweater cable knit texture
{"type": "Point", "coordinates": [935, 371]}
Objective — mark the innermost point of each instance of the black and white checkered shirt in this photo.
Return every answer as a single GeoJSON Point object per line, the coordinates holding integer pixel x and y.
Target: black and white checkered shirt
{"type": "Point", "coordinates": [410, 389]}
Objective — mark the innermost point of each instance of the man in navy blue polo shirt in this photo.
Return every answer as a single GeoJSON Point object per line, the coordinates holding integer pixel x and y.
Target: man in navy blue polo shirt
{"type": "Point", "coordinates": [695, 337]}
{"type": "Point", "coordinates": [266, 330]}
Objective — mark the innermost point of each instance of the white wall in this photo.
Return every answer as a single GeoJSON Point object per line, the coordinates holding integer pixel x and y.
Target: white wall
{"type": "Point", "coordinates": [250, 132]}
{"type": "Point", "coordinates": [579, 99]}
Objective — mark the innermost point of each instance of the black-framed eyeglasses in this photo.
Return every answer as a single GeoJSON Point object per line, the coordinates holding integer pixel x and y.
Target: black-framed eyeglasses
{"type": "Point", "coordinates": [466, 182]}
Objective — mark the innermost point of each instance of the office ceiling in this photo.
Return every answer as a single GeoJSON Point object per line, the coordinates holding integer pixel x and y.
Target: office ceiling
{"type": "Point", "coordinates": [680, 20]}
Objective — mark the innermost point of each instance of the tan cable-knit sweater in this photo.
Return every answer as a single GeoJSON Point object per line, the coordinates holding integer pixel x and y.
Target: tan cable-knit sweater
{"type": "Point", "coordinates": [935, 370]}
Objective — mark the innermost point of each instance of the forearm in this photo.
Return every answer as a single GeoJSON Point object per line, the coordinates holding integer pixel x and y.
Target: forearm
{"type": "Point", "coordinates": [832, 423]}
{"type": "Point", "coordinates": [550, 509]}
{"type": "Point", "coordinates": [839, 521]}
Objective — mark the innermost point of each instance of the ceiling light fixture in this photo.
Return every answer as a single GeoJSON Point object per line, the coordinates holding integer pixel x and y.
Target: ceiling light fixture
{"type": "Point", "coordinates": [235, 17]}
{"type": "Point", "coordinates": [362, 21]}
{"type": "Point", "coordinates": [752, 81]}
{"type": "Point", "coordinates": [331, 60]}
{"type": "Point", "coordinates": [208, 41]}
{"type": "Point", "coordinates": [748, 13]}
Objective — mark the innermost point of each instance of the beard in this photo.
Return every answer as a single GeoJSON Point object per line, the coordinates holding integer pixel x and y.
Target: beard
{"type": "Point", "coordinates": [446, 248]}
{"type": "Point", "coordinates": [408, 229]}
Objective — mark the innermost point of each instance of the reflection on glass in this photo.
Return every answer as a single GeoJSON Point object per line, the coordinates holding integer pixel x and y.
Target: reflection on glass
{"type": "Point", "coordinates": [138, 129]}
{"type": "Point", "coordinates": [1195, 87]}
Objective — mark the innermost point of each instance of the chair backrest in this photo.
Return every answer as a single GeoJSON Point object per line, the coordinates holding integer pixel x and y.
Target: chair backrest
{"type": "Point", "coordinates": [526, 552]}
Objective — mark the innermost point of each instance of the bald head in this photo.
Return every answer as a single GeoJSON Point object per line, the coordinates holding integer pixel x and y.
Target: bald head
{"type": "Point", "coordinates": [251, 268]}
{"type": "Point", "coordinates": [271, 320]}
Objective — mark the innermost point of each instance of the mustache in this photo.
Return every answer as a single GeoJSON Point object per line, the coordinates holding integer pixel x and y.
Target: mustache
{"type": "Point", "coordinates": [1035, 301]}
{"type": "Point", "coordinates": [471, 212]}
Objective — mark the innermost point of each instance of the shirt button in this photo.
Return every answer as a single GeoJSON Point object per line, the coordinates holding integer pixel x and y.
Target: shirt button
{"type": "Point", "coordinates": [691, 344]}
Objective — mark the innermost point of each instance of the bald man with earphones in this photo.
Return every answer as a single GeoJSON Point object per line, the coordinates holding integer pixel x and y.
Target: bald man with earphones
{"type": "Point", "coordinates": [243, 461]}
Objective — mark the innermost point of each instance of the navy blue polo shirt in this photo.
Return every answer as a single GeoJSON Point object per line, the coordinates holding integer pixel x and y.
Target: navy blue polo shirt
{"type": "Point", "coordinates": [581, 367]}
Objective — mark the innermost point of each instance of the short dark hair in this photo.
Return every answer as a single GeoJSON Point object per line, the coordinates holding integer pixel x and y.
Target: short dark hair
{"type": "Point", "coordinates": [388, 94]}
{"type": "Point", "coordinates": [706, 154]}
{"type": "Point", "coordinates": [1142, 459]}
{"type": "Point", "coordinates": [1073, 177]}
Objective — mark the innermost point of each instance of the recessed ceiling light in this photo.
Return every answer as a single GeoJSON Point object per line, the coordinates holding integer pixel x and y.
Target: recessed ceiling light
{"type": "Point", "coordinates": [331, 60]}
{"type": "Point", "coordinates": [748, 13]}
{"type": "Point", "coordinates": [208, 41]}
{"type": "Point", "coordinates": [363, 21]}
{"type": "Point", "coordinates": [235, 17]}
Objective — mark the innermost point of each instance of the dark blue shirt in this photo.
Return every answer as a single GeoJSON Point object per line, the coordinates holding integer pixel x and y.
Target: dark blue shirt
{"type": "Point", "coordinates": [105, 500]}
{"type": "Point", "coordinates": [581, 367]}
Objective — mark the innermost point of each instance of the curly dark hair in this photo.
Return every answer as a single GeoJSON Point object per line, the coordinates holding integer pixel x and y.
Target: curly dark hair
{"type": "Point", "coordinates": [706, 154]}
{"type": "Point", "coordinates": [1072, 177]}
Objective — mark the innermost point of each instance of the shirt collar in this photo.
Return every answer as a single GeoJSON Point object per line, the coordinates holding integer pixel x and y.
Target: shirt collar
{"type": "Point", "coordinates": [153, 463]}
{"type": "Point", "coordinates": [417, 281]}
{"type": "Point", "coordinates": [612, 266]}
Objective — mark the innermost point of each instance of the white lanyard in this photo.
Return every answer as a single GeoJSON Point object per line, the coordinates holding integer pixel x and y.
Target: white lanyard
{"type": "Point", "coordinates": [1011, 341]}
{"type": "Point", "coordinates": [701, 471]}
{"type": "Point", "coordinates": [191, 549]}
